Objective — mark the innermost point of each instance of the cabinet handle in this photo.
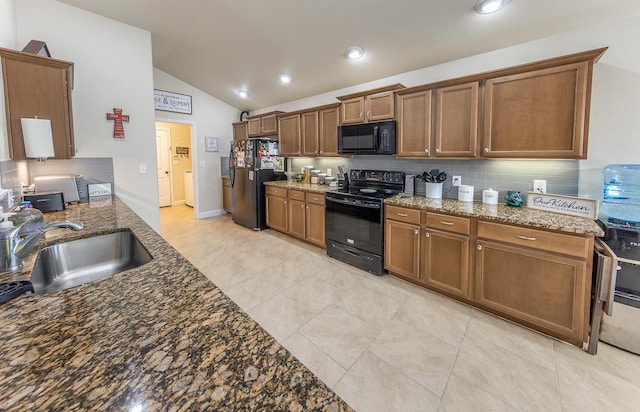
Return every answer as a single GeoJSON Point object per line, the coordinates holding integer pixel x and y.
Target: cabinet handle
{"type": "Point", "coordinates": [486, 150]}
{"type": "Point", "coordinates": [525, 237]}
{"type": "Point", "coordinates": [361, 116]}
{"type": "Point", "coordinates": [437, 150]}
{"type": "Point", "coordinates": [415, 231]}
{"type": "Point", "coordinates": [427, 234]}
{"type": "Point", "coordinates": [368, 115]}
{"type": "Point", "coordinates": [446, 223]}
{"type": "Point", "coordinates": [426, 151]}
{"type": "Point", "coordinates": [307, 207]}
{"type": "Point", "coordinates": [285, 201]}
{"type": "Point", "coordinates": [479, 247]}
{"type": "Point", "coordinates": [402, 214]}
{"type": "Point", "coordinates": [315, 198]}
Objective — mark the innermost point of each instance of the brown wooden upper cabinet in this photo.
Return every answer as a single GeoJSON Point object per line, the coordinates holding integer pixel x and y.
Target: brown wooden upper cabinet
{"type": "Point", "coordinates": [538, 114]}
{"type": "Point", "coordinates": [240, 131]}
{"type": "Point", "coordinates": [310, 132]}
{"type": "Point", "coordinates": [289, 135]}
{"type": "Point", "coordinates": [263, 124]}
{"type": "Point", "coordinates": [442, 122]}
{"type": "Point", "coordinates": [38, 86]}
{"type": "Point", "coordinates": [369, 106]}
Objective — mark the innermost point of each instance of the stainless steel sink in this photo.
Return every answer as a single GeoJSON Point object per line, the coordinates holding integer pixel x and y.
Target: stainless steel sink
{"type": "Point", "coordinates": [73, 263]}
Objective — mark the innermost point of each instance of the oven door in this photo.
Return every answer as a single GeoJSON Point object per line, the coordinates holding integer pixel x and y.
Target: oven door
{"type": "Point", "coordinates": [354, 222]}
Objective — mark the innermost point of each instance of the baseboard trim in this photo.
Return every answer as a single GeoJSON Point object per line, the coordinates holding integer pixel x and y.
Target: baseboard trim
{"type": "Point", "coordinates": [211, 213]}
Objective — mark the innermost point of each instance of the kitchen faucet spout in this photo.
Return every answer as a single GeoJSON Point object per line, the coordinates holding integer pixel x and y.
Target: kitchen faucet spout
{"type": "Point", "coordinates": [14, 249]}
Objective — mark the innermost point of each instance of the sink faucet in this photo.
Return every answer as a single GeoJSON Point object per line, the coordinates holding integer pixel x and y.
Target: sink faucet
{"type": "Point", "coordinates": [13, 248]}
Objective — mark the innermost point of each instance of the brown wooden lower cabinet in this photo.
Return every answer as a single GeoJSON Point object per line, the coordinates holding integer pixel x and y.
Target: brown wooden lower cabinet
{"type": "Point", "coordinates": [276, 208]}
{"type": "Point", "coordinates": [538, 278]}
{"type": "Point", "coordinates": [226, 195]}
{"type": "Point", "coordinates": [297, 213]}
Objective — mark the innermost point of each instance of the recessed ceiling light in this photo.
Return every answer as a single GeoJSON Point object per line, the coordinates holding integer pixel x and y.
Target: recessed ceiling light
{"type": "Point", "coordinates": [285, 78]}
{"type": "Point", "coordinates": [242, 93]}
{"type": "Point", "coordinates": [489, 6]}
{"type": "Point", "coordinates": [354, 52]}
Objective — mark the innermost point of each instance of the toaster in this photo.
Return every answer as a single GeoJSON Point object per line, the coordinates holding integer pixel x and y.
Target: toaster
{"type": "Point", "coordinates": [59, 183]}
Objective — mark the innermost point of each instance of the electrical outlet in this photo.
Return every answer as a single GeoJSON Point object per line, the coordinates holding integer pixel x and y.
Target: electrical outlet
{"type": "Point", "coordinates": [456, 180]}
{"type": "Point", "coordinates": [540, 186]}
{"type": "Point", "coordinates": [142, 168]}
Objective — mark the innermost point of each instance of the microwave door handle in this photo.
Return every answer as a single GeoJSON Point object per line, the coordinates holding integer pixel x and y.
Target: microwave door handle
{"type": "Point", "coordinates": [376, 137]}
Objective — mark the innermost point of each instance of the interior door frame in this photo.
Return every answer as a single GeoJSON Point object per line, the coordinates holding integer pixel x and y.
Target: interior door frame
{"type": "Point", "coordinates": [194, 161]}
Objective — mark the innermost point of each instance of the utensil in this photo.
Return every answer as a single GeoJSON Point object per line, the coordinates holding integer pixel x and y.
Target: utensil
{"type": "Point", "coordinates": [441, 177]}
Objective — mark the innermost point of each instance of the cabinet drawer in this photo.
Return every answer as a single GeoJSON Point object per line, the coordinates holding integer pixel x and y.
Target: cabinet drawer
{"type": "Point", "coordinates": [276, 191]}
{"type": "Point", "coordinates": [535, 239]}
{"type": "Point", "coordinates": [453, 224]}
{"type": "Point", "coordinates": [402, 214]}
{"type": "Point", "coordinates": [296, 194]}
{"type": "Point", "coordinates": [314, 198]}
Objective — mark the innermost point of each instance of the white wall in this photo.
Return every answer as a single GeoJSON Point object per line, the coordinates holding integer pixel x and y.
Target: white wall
{"type": "Point", "coordinates": [615, 103]}
{"type": "Point", "coordinates": [8, 41]}
{"type": "Point", "coordinates": [112, 68]}
{"type": "Point", "coordinates": [212, 118]}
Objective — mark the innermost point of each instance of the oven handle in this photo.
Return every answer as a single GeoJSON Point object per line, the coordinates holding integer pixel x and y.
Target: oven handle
{"type": "Point", "coordinates": [344, 202]}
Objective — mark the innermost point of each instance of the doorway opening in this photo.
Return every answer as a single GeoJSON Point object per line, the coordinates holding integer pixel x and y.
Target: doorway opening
{"type": "Point", "coordinates": [176, 172]}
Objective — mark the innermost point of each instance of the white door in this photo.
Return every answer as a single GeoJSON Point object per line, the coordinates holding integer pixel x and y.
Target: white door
{"type": "Point", "coordinates": [163, 151]}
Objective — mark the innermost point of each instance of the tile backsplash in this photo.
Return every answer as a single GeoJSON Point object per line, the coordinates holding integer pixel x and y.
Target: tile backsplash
{"type": "Point", "coordinates": [502, 175]}
{"type": "Point", "coordinates": [91, 170]}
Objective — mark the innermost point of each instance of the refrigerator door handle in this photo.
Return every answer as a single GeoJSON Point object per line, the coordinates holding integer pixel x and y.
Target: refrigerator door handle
{"type": "Point", "coordinates": [232, 171]}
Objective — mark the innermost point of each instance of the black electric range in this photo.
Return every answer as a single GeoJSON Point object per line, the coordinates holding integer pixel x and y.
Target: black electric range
{"type": "Point", "coordinates": [354, 218]}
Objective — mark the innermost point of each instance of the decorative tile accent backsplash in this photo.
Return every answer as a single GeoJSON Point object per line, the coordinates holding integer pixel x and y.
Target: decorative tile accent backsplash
{"type": "Point", "coordinates": [92, 170]}
{"type": "Point", "coordinates": [502, 175]}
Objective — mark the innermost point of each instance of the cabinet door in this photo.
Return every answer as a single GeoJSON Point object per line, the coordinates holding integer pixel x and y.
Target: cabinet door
{"type": "Point", "coordinates": [353, 110]}
{"type": "Point", "coordinates": [329, 120]}
{"type": "Point", "coordinates": [456, 121]}
{"type": "Point", "coordinates": [314, 220]}
{"type": "Point", "coordinates": [226, 195]}
{"type": "Point", "coordinates": [445, 264]}
{"type": "Point", "coordinates": [254, 127]}
{"type": "Point", "coordinates": [289, 135]}
{"type": "Point", "coordinates": [402, 249]}
{"type": "Point", "coordinates": [539, 114]}
{"type": "Point", "coordinates": [269, 124]}
{"type": "Point", "coordinates": [548, 292]}
{"type": "Point", "coordinates": [380, 106]}
{"type": "Point", "coordinates": [296, 218]}
{"type": "Point", "coordinates": [414, 124]}
{"type": "Point", "coordinates": [310, 133]}
{"type": "Point", "coordinates": [276, 210]}
{"type": "Point", "coordinates": [43, 90]}
{"type": "Point", "coordinates": [240, 131]}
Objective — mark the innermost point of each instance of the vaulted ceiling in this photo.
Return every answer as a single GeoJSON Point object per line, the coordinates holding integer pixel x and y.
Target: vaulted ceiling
{"type": "Point", "coordinates": [223, 46]}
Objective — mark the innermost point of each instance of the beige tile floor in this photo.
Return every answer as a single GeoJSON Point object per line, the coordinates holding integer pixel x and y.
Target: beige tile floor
{"type": "Point", "coordinates": [385, 345]}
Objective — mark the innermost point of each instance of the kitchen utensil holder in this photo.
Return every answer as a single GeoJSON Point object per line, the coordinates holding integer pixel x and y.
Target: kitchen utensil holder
{"type": "Point", "coordinates": [433, 190]}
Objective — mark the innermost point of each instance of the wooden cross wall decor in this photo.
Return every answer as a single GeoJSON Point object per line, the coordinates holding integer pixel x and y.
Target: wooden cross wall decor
{"type": "Point", "coordinates": [118, 117]}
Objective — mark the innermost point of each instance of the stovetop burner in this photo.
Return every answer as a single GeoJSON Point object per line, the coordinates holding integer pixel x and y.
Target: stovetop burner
{"type": "Point", "coordinates": [373, 184]}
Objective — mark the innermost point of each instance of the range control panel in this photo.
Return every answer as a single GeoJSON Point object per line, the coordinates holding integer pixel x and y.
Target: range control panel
{"type": "Point", "coordinates": [376, 176]}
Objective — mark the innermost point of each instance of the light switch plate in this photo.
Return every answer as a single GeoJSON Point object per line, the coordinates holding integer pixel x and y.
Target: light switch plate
{"type": "Point", "coordinates": [142, 168]}
{"type": "Point", "coordinates": [540, 186]}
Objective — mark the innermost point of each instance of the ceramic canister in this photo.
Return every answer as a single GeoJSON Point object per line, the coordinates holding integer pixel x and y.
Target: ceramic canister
{"type": "Point", "coordinates": [465, 193]}
{"type": "Point", "coordinates": [490, 197]}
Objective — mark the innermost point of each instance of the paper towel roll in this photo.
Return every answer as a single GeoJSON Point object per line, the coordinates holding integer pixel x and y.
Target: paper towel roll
{"type": "Point", "coordinates": [490, 197]}
{"type": "Point", "coordinates": [465, 193]}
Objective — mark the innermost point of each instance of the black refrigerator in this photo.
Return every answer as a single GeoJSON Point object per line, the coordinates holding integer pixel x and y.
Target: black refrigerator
{"type": "Point", "coordinates": [253, 162]}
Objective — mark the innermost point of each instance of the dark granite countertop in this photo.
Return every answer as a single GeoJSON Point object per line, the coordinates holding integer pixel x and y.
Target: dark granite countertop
{"type": "Point", "coordinates": [159, 337]}
{"type": "Point", "coordinates": [501, 213]}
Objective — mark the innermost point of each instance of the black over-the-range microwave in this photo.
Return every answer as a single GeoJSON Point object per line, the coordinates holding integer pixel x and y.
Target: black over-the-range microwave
{"type": "Point", "coordinates": [368, 138]}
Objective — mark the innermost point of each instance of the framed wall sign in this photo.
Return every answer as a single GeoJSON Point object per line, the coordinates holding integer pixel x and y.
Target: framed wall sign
{"type": "Point", "coordinates": [211, 144]}
{"type": "Point", "coordinates": [172, 102]}
{"type": "Point", "coordinates": [567, 205]}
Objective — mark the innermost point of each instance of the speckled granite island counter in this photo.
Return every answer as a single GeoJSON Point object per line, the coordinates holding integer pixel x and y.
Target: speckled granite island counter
{"type": "Point", "coordinates": [159, 337]}
{"type": "Point", "coordinates": [501, 213]}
